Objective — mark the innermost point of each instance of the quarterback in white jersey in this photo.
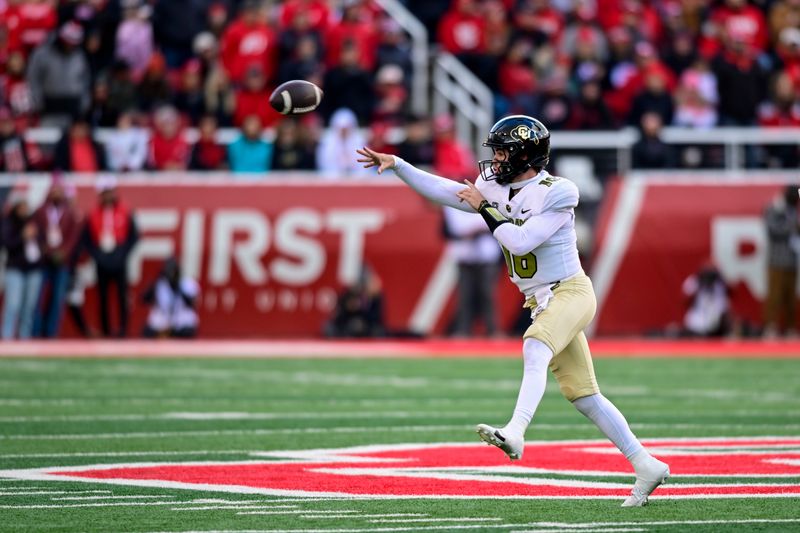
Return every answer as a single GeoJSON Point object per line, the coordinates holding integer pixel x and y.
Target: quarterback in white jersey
{"type": "Point", "coordinates": [531, 214]}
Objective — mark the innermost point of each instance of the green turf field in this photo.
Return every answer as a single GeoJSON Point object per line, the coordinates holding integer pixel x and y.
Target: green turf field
{"type": "Point", "coordinates": [64, 412]}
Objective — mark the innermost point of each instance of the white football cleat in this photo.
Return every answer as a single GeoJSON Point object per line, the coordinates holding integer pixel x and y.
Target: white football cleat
{"type": "Point", "coordinates": [650, 476]}
{"type": "Point", "coordinates": [512, 445]}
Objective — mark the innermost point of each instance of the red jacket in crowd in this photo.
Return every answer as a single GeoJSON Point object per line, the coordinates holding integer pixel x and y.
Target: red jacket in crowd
{"type": "Point", "coordinates": [463, 29]}
{"type": "Point", "coordinates": [317, 11]}
{"type": "Point", "coordinates": [245, 45]}
{"type": "Point", "coordinates": [169, 154]}
{"type": "Point", "coordinates": [28, 24]}
{"type": "Point", "coordinates": [254, 103]}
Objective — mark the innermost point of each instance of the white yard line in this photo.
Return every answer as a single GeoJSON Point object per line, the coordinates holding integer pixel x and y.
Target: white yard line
{"type": "Point", "coordinates": [41, 492]}
{"type": "Point", "coordinates": [412, 520]}
{"type": "Point", "coordinates": [106, 504]}
{"type": "Point", "coordinates": [580, 525]}
{"type": "Point", "coordinates": [132, 497]}
{"type": "Point", "coordinates": [235, 507]}
{"type": "Point", "coordinates": [226, 415]}
{"type": "Point", "coordinates": [123, 454]}
{"type": "Point", "coordinates": [229, 432]}
{"type": "Point", "coordinates": [301, 511]}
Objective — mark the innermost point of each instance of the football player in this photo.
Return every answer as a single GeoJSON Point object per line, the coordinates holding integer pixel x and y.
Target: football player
{"type": "Point", "coordinates": [532, 215]}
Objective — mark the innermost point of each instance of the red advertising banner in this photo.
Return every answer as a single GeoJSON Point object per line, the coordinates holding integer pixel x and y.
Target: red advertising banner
{"type": "Point", "coordinates": [657, 231]}
{"type": "Point", "coordinates": [272, 256]}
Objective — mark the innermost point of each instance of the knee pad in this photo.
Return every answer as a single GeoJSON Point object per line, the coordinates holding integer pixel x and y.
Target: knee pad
{"type": "Point", "coordinates": [536, 354]}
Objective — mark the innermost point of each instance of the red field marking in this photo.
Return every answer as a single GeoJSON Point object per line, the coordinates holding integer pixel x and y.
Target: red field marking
{"type": "Point", "coordinates": [467, 470]}
{"type": "Point", "coordinates": [378, 349]}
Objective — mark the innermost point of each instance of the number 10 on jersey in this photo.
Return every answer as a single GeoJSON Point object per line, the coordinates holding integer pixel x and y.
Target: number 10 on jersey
{"type": "Point", "coordinates": [524, 266]}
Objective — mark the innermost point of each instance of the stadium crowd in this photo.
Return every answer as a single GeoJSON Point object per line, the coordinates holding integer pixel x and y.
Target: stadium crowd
{"type": "Point", "coordinates": [150, 69]}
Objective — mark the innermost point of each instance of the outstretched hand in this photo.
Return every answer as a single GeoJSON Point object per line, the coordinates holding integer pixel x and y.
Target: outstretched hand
{"type": "Point", "coordinates": [371, 158]}
{"type": "Point", "coordinates": [471, 195]}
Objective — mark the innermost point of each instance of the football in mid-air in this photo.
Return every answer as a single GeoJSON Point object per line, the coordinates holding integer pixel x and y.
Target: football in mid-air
{"type": "Point", "coordinates": [295, 97]}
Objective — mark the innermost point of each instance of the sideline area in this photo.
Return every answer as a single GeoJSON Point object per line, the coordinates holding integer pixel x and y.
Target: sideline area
{"type": "Point", "coordinates": [289, 348]}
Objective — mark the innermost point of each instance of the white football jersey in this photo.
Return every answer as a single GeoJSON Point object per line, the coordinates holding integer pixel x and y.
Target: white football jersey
{"type": "Point", "coordinates": [556, 259]}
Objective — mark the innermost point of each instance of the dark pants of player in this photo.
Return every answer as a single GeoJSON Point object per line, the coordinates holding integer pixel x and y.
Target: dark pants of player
{"type": "Point", "coordinates": [120, 279]}
{"type": "Point", "coordinates": [781, 300]}
{"type": "Point", "coordinates": [476, 283]}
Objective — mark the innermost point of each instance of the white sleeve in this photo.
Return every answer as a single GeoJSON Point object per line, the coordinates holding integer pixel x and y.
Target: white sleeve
{"type": "Point", "coordinates": [440, 190]}
{"type": "Point", "coordinates": [520, 240]}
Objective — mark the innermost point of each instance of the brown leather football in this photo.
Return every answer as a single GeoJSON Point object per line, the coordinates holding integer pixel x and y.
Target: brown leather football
{"type": "Point", "coordinates": [295, 97]}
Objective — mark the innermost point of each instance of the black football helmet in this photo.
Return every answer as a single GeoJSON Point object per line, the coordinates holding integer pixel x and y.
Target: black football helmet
{"type": "Point", "coordinates": [527, 141]}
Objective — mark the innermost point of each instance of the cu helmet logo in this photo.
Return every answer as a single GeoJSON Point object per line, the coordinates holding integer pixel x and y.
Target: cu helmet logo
{"type": "Point", "coordinates": [523, 133]}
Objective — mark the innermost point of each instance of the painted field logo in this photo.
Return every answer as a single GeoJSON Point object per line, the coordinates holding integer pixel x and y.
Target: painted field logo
{"type": "Point", "coordinates": [701, 468]}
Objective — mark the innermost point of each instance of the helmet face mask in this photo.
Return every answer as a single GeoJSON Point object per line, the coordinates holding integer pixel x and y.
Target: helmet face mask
{"type": "Point", "coordinates": [522, 141]}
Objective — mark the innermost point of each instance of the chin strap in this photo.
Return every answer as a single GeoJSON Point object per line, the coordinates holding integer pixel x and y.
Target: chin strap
{"type": "Point", "coordinates": [491, 216]}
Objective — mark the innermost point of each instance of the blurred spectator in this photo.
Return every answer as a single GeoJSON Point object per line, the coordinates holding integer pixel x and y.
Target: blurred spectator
{"type": "Point", "coordinates": [417, 147]}
{"type": "Point", "coordinates": [391, 96]}
{"type": "Point", "coordinates": [220, 99]}
{"type": "Point", "coordinates": [429, 12]}
{"type": "Point", "coordinates": [709, 311]}
{"type": "Point", "coordinates": [77, 151]}
{"type": "Point", "coordinates": [555, 105]}
{"type": "Point", "coordinates": [302, 62]}
{"type": "Point", "coordinates": [175, 24]}
{"type": "Point", "coordinates": [134, 38]}
{"type": "Point", "coordinates": [290, 152]}
{"type": "Point", "coordinates": [589, 112]}
{"type": "Point", "coordinates": [340, 140]}
{"type": "Point", "coordinates": [154, 88]}
{"type": "Point", "coordinates": [355, 28]}
{"type": "Point", "coordinates": [782, 110]}
{"type": "Point", "coordinates": [452, 158]}
{"type": "Point", "coordinates": [60, 225]}
{"type": "Point", "coordinates": [172, 299]}
{"type": "Point", "coordinates": [472, 247]}
{"type": "Point", "coordinates": [217, 19]}
{"type": "Point", "coordinates": [190, 98]}
{"type": "Point", "coordinates": [583, 38]}
{"type": "Point", "coordinates": [359, 309]}
{"type": "Point", "coordinates": [109, 236]}
{"type": "Point", "coordinates": [126, 145]}
{"type": "Point", "coordinates": [696, 98]}
{"type": "Point", "coordinates": [28, 24]}
{"type": "Point", "coordinates": [207, 153]}
{"type": "Point", "coordinates": [517, 79]}
{"type": "Point", "coordinates": [538, 21]}
{"type": "Point", "coordinates": [393, 47]}
{"type": "Point", "coordinates": [317, 11]}
{"type": "Point", "coordinates": [737, 20]}
{"type": "Point", "coordinates": [462, 30]}
{"type": "Point", "coordinates": [741, 79]}
{"type": "Point", "coordinates": [297, 30]}
{"type": "Point", "coordinates": [650, 151]}
{"type": "Point", "coordinates": [783, 234]}
{"type": "Point", "coordinates": [59, 77]}
{"type": "Point", "coordinates": [348, 85]}
{"type": "Point", "coordinates": [682, 52]}
{"type": "Point", "coordinates": [783, 14]}
{"type": "Point", "coordinates": [16, 154]}
{"type": "Point", "coordinates": [250, 153]}
{"type": "Point", "coordinates": [14, 90]}
{"type": "Point", "coordinates": [249, 40]}
{"type": "Point", "coordinates": [655, 98]}
{"type": "Point", "coordinates": [23, 275]}
{"type": "Point", "coordinates": [121, 93]}
{"type": "Point", "coordinates": [252, 99]}
{"type": "Point", "coordinates": [168, 147]}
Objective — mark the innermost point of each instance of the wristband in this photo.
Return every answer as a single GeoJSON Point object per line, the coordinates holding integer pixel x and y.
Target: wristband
{"type": "Point", "coordinates": [491, 215]}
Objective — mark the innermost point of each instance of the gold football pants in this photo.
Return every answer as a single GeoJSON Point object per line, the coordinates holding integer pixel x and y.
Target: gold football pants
{"type": "Point", "coordinates": [560, 326]}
